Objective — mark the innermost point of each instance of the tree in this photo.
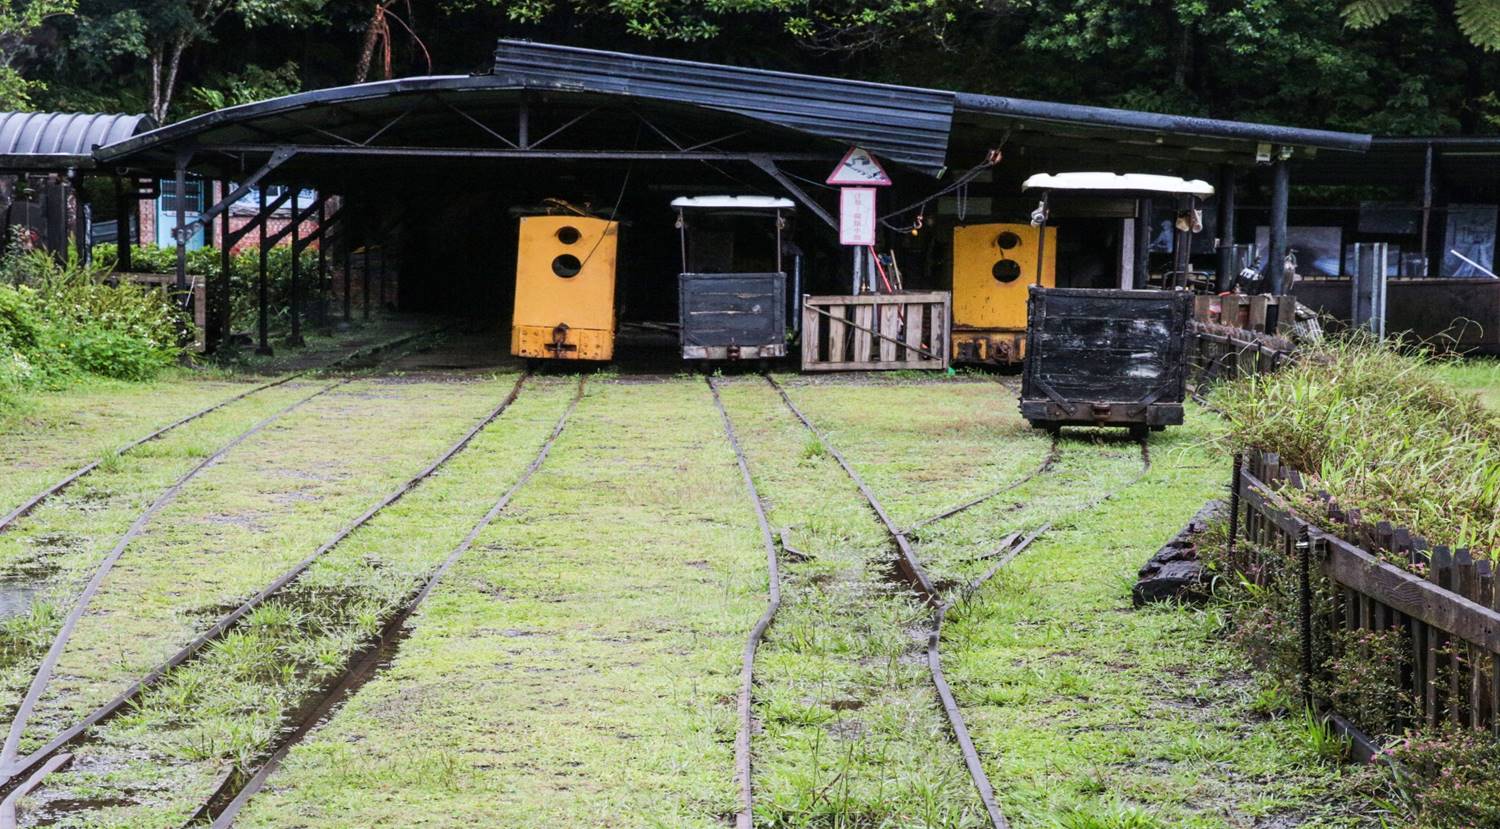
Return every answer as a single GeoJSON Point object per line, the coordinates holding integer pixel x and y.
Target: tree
{"type": "Point", "coordinates": [19, 20]}
{"type": "Point", "coordinates": [1479, 20]}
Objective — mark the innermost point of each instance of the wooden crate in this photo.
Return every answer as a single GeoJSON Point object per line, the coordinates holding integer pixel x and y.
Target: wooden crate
{"type": "Point", "coordinates": [1260, 312]}
{"type": "Point", "coordinates": [876, 332]}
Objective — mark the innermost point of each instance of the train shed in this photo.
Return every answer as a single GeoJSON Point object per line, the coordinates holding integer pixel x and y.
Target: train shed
{"type": "Point", "coordinates": [435, 169]}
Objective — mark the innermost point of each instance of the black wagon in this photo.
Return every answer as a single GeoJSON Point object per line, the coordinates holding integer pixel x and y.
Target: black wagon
{"type": "Point", "coordinates": [1098, 357]}
{"type": "Point", "coordinates": [732, 298]}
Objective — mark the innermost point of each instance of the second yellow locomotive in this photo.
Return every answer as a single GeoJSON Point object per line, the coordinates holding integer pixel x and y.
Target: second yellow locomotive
{"type": "Point", "coordinates": [565, 289]}
{"type": "Point", "coordinates": [993, 265]}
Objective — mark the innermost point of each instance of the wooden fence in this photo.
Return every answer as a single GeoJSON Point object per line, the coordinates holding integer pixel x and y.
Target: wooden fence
{"type": "Point", "coordinates": [1447, 619]}
{"type": "Point", "coordinates": [871, 332]}
{"type": "Point", "coordinates": [1261, 313]}
{"type": "Point", "coordinates": [1219, 352]}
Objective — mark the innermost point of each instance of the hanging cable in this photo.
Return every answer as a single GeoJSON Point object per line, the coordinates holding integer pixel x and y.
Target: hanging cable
{"type": "Point", "coordinates": [991, 158]}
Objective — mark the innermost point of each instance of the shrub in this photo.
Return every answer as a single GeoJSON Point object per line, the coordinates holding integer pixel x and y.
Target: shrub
{"type": "Point", "coordinates": [61, 319]}
{"type": "Point", "coordinates": [1380, 433]}
{"type": "Point", "coordinates": [243, 275]}
{"type": "Point", "coordinates": [1447, 779]}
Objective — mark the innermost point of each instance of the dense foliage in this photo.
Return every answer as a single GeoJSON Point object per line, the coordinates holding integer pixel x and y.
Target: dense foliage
{"type": "Point", "coordinates": [1379, 433]}
{"type": "Point", "coordinates": [1381, 65]}
{"type": "Point", "coordinates": [243, 276]}
{"type": "Point", "coordinates": [59, 322]}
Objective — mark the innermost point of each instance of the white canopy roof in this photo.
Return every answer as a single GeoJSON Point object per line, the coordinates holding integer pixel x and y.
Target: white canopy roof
{"type": "Point", "coordinates": [1115, 181]}
{"type": "Point", "coordinates": [734, 202]}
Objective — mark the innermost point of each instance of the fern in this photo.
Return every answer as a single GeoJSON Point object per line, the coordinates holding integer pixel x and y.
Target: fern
{"type": "Point", "coordinates": [1479, 20]}
{"type": "Point", "coordinates": [1364, 14]}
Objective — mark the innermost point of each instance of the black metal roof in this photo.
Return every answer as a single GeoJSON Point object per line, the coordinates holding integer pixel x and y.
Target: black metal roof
{"type": "Point", "coordinates": [61, 140]}
{"type": "Point", "coordinates": [441, 117]}
{"type": "Point", "coordinates": [902, 124]}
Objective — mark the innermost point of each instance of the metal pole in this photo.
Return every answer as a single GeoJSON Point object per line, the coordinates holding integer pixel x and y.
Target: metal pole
{"type": "Point", "coordinates": [1227, 265]}
{"type": "Point", "coordinates": [1276, 256]}
{"type": "Point", "coordinates": [1427, 215]}
{"type": "Point", "coordinates": [81, 240]}
{"type": "Point", "coordinates": [294, 300]}
{"type": "Point", "coordinates": [123, 206]}
{"type": "Point", "coordinates": [221, 309]}
{"type": "Point", "coordinates": [382, 276]}
{"type": "Point", "coordinates": [348, 270]}
{"type": "Point", "coordinates": [1142, 242]}
{"type": "Point", "coordinates": [1041, 236]}
{"type": "Point", "coordinates": [322, 264]}
{"type": "Point", "coordinates": [365, 276]}
{"type": "Point", "coordinates": [264, 323]}
{"type": "Point", "coordinates": [179, 196]}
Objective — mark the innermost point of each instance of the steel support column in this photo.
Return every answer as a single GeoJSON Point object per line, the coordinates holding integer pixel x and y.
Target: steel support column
{"type": "Point", "coordinates": [264, 322]}
{"type": "Point", "coordinates": [294, 297]}
{"type": "Point", "coordinates": [1226, 228]}
{"type": "Point", "coordinates": [1427, 218]}
{"type": "Point", "coordinates": [218, 310]}
{"type": "Point", "coordinates": [1142, 242]}
{"type": "Point", "coordinates": [81, 241]}
{"type": "Point", "coordinates": [125, 206]}
{"type": "Point", "coordinates": [365, 277]}
{"type": "Point", "coordinates": [1276, 256]}
{"type": "Point", "coordinates": [346, 239]}
{"type": "Point", "coordinates": [179, 182]}
{"type": "Point", "coordinates": [322, 266]}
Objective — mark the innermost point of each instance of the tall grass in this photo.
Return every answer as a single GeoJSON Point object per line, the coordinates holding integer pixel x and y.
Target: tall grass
{"type": "Point", "coordinates": [1380, 432]}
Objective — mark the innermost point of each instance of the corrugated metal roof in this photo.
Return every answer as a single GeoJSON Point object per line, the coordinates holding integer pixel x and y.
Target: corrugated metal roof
{"type": "Point", "coordinates": [905, 125]}
{"type": "Point", "coordinates": [31, 140]}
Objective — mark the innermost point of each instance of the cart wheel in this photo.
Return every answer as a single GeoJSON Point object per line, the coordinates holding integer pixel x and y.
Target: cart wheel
{"type": "Point", "coordinates": [533, 364]}
{"type": "Point", "coordinates": [1139, 432]}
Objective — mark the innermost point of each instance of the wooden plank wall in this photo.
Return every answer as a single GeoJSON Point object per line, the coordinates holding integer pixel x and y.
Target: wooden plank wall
{"type": "Point", "coordinates": [876, 332]}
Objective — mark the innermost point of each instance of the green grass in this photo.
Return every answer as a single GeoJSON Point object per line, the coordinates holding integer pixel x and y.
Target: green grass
{"type": "Point", "coordinates": [579, 667]}
{"type": "Point", "coordinates": [56, 432]}
{"type": "Point", "coordinates": [272, 501]}
{"type": "Point", "coordinates": [1376, 430]}
{"type": "Point", "coordinates": [1478, 375]}
{"type": "Point", "coordinates": [851, 732]}
{"type": "Point", "coordinates": [226, 707]}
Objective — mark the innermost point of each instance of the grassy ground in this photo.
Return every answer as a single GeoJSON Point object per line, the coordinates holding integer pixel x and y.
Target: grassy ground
{"type": "Point", "coordinates": [1479, 375]}
{"type": "Point", "coordinates": [1089, 715]}
{"type": "Point", "coordinates": [851, 732]}
{"type": "Point", "coordinates": [55, 432]}
{"type": "Point", "coordinates": [238, 524]}
{"type": "Point", "coordinates": [155, 765]}
{"type": "Point", "coordinates": [579, 667]}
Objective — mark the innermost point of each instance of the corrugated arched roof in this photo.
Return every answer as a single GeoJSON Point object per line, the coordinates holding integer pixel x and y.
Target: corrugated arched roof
{"type": "Point", "coordinates": [58, 140]}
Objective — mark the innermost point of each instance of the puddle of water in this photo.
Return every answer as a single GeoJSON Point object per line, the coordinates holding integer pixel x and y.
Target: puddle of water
{"type": "Point", "coordinates": [16, 600]}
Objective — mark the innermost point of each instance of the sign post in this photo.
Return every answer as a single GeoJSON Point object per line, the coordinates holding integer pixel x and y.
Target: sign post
{"type": "Point", "coordinates": [857, 176]}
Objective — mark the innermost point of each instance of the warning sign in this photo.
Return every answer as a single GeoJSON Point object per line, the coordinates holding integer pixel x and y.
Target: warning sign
{"type": "Point", "coordinates": [859, 169]}
{"type": "Point", "coordinates": [857, 216]}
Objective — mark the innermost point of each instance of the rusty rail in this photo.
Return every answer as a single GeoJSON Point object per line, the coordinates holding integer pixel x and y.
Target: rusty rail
{"type": "Point", "coordinates": [362, 667]}
{"type": "Point", "coordinates": [745, 818]}
{"type": "Point", "coordinates": [912, 570]}
{"type": "Point", "coordinates": [36, 500]}
{"type": "Point", "coordinates": [16, 768]}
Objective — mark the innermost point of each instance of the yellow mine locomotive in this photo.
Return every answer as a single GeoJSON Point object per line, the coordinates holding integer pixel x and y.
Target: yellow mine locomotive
{"type": "Point", "coordinates": [565, 289]}
{"type": "Point", "coordinates": [993, 266]}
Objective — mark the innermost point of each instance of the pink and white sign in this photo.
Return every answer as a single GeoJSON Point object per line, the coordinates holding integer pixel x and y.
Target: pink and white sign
{"type": "Point", "coordinates": [857, 216]}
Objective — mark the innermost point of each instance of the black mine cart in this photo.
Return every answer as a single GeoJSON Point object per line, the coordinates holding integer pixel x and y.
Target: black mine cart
{"type": "Point", "coordinates": [1097, 357]}
{"type": "Point", "coordinates": [732, 292]}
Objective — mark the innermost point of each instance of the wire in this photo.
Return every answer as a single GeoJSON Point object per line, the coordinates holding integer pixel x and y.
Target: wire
{"type": "Point", "coordinates": [991, 158]}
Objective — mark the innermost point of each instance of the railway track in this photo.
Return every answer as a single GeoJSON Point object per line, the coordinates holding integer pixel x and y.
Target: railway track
{"type": "Point", "coordinates": [744, 818]}
{"type": "Point", "coordinates": [221, 810]}
{"type": "Point", "coordinates": [15, 768]}
{"type": "Point", "coordinates": [43, 674]}
{"type": "Point", "coordinates": [910, 567]}
{"type": "Point", "coordinates": [76, 475]}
